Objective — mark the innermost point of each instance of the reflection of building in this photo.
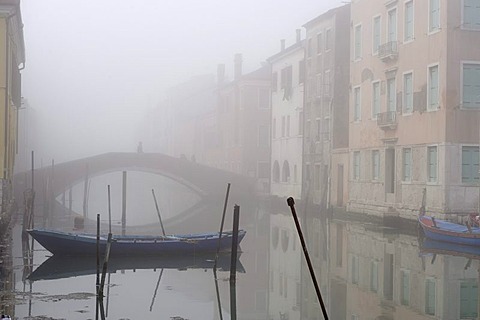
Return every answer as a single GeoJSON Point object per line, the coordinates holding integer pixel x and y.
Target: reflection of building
{"type": "Point", "coordinates": [288, 75]}
{"type": "Point", "coordinates": [326, 107]}
{"type": "Point", "coordinates": [415, 96]}
{"type": "Point", "coordinates": [243, 124]}
{"type": "Point", "coordinates": [284, 269]}
{"type": "Point", "coordinates": [377, 275]}
{"type": "Point", "coordinates": [12, 57]}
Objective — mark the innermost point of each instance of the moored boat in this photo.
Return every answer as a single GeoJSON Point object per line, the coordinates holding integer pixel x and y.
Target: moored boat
{"type": "Point", "coordinates": [442, 230]}
{"type": "Point", "coordinates": [66, 243]}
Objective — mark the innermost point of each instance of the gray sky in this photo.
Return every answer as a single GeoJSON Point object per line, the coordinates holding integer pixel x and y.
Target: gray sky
{"type": "Point", "coordinates": [95, 66]}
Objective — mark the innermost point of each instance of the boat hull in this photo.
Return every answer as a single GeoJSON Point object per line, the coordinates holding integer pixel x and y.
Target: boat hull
{"type": "Point", "coordinates": [64, 243]}
{"type": "Point", "coordinates": [446, 231]}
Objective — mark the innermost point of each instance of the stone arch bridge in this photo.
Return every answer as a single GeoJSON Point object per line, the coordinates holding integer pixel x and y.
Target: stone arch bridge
{"type": "Point", "coordinates": [209, 183]}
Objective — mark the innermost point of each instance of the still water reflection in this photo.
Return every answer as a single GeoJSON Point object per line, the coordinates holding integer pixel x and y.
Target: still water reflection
{"type": "Point", "coordinates": [365, 271]}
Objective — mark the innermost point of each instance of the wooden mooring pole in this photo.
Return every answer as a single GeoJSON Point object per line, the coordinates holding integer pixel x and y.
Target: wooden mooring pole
{"type": "Point", "coordinates": [124, 202]}
{"type": "Point", "coordinates": [291, 204]}
{"type": "Point", "coordinates": [221, 225]}
{"type": "Point", "coordinates": [158, 212]}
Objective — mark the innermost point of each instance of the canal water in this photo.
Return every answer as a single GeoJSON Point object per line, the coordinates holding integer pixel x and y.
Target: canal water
{"type": "Point", "coordinates": [364, 270]}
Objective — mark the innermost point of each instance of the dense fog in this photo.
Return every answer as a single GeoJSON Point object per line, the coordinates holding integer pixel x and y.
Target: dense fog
{"type": "Point", "coordinates": [94, 69]}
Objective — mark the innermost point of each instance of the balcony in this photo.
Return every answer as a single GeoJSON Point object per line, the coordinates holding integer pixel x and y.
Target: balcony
{"type": "Point", "coordinates": [387, 120]}
{"type": "Point", "coordinates": [388, 51]}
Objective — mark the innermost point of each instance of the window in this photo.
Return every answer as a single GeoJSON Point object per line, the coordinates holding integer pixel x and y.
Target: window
{"type": "Point", "coordinates": [391, 95]}
{"type": "Point", "coordinates": [356, 104]}
{"type": "Point", "coordinates": [471, 14]}
{"type": "Point", "coordinates": [376, 33]}
{"type": "Point", "coordinates": [374, 276]}
{"type": "Point", "coordinates": [392, 25]}
{"type": "Point", "coordinates": [319, 43]}
{"type": "Point", "coordinates": [470, 159]}
{"type": "Point", "coordinates": [432, 164]}
{"type": "Point", "coordinates": [375, 164]}
{"type": "Point", "coordinates": [468, 299]}
{"type": "Point", "coordinates": [356, 165]}
{"type": "Point", "coordinates": [357, 53]}
{"type": "Point", "coordinates": [433, 89]}
{"type": "Point", "coordinates": [430, 296]}
{"type": "Point", "coordinates": [309, 47]}
{"type": "Point", "coordinates": [283, 126]}
{"type": "Point", "coordinates": [263, 136]}
{"type": "Point", "coordinates": [307, 129]}
{"type": "Point", "coordinates": [408, 27]}
{"type": "Point", "coordinates": [316, 182]}
{"type": "Point", "coordinates": [471, 86]}
{"type": "Point", "coordinates": [404, 287]}
{"type": "Point", "coordinates": [328, 36]}
{"type": "Point", "coordinates": [434, 15]}
{"type": "Point", "coordinates": [408, 92]}
{"type": "Point", "coordinates": [375, 99]}
{"type": "Point", "coordinates": [319, 129]}
{"type": "Point", "coordinates": [285, 172]}
{"type": "Point", "coordinates": [355, 270]}
{"type": "Point", "coordinates": [286, 82]}
{"type": "Point", "coordinates": [407, 164]}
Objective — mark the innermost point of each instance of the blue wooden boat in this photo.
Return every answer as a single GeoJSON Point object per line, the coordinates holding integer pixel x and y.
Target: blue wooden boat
{"type": "Point", "coordinates": [442, 230]}
{"type": "Point", "coordinates": [65, 243]}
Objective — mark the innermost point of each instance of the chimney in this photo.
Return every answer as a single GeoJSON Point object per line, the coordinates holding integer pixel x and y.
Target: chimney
{"type": "Point", "coordinates": [220, 74]}
{"type": "Point", "coordinates": [299, 35]}
{"type": "Point", "coordinates": [282, 44]}
{"type": "Point", "coordinates": [238, 66]}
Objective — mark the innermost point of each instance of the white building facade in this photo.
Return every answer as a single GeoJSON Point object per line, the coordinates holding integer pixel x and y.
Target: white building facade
{"type": "Point", "coordinates": [287, 119]}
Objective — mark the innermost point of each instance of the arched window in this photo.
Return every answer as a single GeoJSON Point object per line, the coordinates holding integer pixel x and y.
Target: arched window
{"type": "Point", "coordinates": [276, 172]}
{"type": "Point", "coordinates": [285, 172]}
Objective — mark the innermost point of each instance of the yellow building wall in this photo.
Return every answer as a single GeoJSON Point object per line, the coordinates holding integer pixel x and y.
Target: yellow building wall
{"type": "Point", "coordinates": [8, 111]}
{"type": "Point", "coordinates": [3, 71]}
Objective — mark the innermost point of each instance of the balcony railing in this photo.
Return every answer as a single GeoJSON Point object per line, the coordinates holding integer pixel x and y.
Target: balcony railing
{"type": "Point", "coordinates": [388, 50]}
{"type": "Point", "coordinates": [387, 120]}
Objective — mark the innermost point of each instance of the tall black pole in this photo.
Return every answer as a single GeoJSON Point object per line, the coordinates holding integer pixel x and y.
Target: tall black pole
{"type": "Point", "coordinates": [233, 261]}
{"type": "Point", "coordinates": [221, 225]}
{"type": "Point", "coordinates": [97, 283]}
{"type": "Point", "coordinates": [291, 204]}
{"type": "Point", "coordinates": [109, 212]}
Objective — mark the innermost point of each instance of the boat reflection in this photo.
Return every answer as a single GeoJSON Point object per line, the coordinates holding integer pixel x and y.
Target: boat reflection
{"type": "Point", "coordinates": [58, 267]}
{"type": "Point", "coordinates": [429, 246]}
